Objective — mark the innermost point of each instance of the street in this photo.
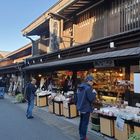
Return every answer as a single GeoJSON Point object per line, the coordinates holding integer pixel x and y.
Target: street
{"type": "Point", "coordinates": [15, 126]}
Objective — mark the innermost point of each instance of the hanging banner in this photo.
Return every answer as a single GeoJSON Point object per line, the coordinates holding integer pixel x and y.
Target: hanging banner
{"type": "Point", "coordinates": [54, 26]}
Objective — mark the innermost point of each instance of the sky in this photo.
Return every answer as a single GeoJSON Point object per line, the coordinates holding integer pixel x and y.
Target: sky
{"type": "Point", "coordinates": [15, 15]}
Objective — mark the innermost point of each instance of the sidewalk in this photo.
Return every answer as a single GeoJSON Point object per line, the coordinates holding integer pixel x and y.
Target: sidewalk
{"type": "Point", "coordinates": [67, 126]}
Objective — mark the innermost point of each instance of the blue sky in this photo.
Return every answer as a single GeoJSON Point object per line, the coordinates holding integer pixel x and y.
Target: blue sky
{"type": "Point", "coordinates": [15, 15]}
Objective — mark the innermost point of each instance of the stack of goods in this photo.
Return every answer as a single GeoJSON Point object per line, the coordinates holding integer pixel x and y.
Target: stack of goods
{"type": "Point", "coordinates": [69, 108]}
{"type": "Point", "coordinates": [128, 113]}
{"type": "Point", "coordinates": [58, 104]}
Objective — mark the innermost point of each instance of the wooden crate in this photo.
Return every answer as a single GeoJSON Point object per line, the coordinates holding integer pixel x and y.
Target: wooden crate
{"type": "Point", "coordinates": [107, 126]}
{"type": "Point", "coordinates": [58, 108]}
{"type": "Point", "coordinates": [70, 111]}
{"type": "Point", "coordinates": [123, 135]}
{"type": "Point", "coordinates": [41, 101]}
{"type": "Point", "coordinates": [137, 129]}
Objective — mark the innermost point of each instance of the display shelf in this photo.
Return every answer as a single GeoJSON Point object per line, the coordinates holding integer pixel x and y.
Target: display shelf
{"type": "Point", "coordinates": [58, 108]}
{"type": "Point", "coordinates": [107, 125]}
{"type": "Point", "coordinates": [42, 101]}
{"type": "Point", "coordinates": [136, 126]}
{"type": "Point", "coordinates": [123, 135]}
{"type": "Point", "coordinates": [70, 110]}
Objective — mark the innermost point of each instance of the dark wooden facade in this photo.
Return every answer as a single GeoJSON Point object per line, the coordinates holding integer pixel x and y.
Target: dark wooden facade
{"type": "Point", "coordinates": [107, 17]}
{"type": "Point", "coordinates": [93, 24]}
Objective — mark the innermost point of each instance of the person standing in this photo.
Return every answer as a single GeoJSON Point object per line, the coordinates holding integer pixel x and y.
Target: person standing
{"type": "Point", "coordinates": [30, 94]}
{"type": "Point", "coordinates": [85, 97]}
{"type": "Point", "coordinates": [2, 87]}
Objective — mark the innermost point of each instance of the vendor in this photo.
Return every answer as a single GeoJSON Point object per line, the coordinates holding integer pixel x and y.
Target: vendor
{"type": "Point", "coordinates": [51, 85]}
{"type": "Point", "coordinates": [66, 84]}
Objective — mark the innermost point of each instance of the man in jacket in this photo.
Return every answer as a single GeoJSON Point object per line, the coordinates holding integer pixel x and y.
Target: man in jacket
{"type": "Point", "coordinates": [30, 93]}
{"type": "Point", "coordinates": [85, 98]}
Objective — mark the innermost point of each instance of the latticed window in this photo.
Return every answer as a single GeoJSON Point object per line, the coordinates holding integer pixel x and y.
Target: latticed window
{"type": "Point", "coordinates": [130, 14]}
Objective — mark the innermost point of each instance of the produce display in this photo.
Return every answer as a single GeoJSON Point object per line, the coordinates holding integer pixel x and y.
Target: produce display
{"type": "Point", "coordinates": [127, 113]}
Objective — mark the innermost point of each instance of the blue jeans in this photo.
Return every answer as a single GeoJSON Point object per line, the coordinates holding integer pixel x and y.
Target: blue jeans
{"type": "Point", "coordinates": [2, 92]}
{"type": "Point", "coordinates": [83, 126]}
{"type": "Point", "coordinates": [30, 108]}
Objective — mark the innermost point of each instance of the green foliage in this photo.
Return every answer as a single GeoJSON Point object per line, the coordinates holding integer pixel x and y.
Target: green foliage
{"type": "Point", "coordinates": [134, 136]}
{"type": "Point", "coordinates": [19, 98]}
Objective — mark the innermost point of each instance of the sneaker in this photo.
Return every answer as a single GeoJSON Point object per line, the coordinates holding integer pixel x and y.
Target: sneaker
{"type": "Point", "coordinates": [30, 117]}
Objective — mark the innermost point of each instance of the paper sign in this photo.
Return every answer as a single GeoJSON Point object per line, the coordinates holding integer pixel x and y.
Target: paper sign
{"type": "Point", "coordinates": [119, 123]}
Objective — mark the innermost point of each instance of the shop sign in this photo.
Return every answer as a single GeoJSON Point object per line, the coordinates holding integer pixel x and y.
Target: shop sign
{"type": "Point", "coordinates": [103, 63]}
{"type": "Point", "coordinates": [119, 123]}
{"type": "Point", "coordinates": [54, 34]}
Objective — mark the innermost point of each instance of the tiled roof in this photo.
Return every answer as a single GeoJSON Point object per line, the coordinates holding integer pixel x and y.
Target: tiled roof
{"type": "Point", "coordinates": [3, 53]}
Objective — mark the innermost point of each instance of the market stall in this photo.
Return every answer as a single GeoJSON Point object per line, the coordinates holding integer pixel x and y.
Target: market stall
{"type": "Point", "coordinates": [121, 121]}
{"type": "Point", "coordinates": [63, 105]}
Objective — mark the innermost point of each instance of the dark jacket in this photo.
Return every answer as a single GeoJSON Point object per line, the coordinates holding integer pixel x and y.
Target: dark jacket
{"type": "Point", "coordinates": [2, 83]}
{"type": "Point", "coordinates": [85, 98]}
{"type": "Point", "coordinates": [30, 91]}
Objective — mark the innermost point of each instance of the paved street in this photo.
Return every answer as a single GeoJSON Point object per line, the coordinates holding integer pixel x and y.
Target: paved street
{"type": "Point", "coordinates": [45, 126]}
{"type": "Point", "coordinates": [15, 126]}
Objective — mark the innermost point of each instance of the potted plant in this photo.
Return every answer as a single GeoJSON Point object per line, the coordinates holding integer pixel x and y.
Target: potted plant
{"type": "Point", "coordinates": [20, 98]}
{"type": "Point", "coordinates": [134, 136]}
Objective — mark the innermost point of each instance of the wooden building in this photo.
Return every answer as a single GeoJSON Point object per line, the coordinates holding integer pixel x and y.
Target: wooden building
{"type": "Point", "coordinates": [88, 34]}
{"type": "Point", "coordinates": [14, 61]}
{"type": "Point", "coordinates": [89, 26]}
{"type": "Point", "coordinates": [11, 69]}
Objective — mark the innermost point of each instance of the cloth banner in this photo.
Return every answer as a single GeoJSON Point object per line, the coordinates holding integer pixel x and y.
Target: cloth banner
{"type": "Point", "coordinates": [54, 26]}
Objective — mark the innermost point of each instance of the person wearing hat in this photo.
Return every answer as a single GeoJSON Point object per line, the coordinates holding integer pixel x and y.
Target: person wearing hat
{"type": "Point", "coordinates": [85, 97]}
